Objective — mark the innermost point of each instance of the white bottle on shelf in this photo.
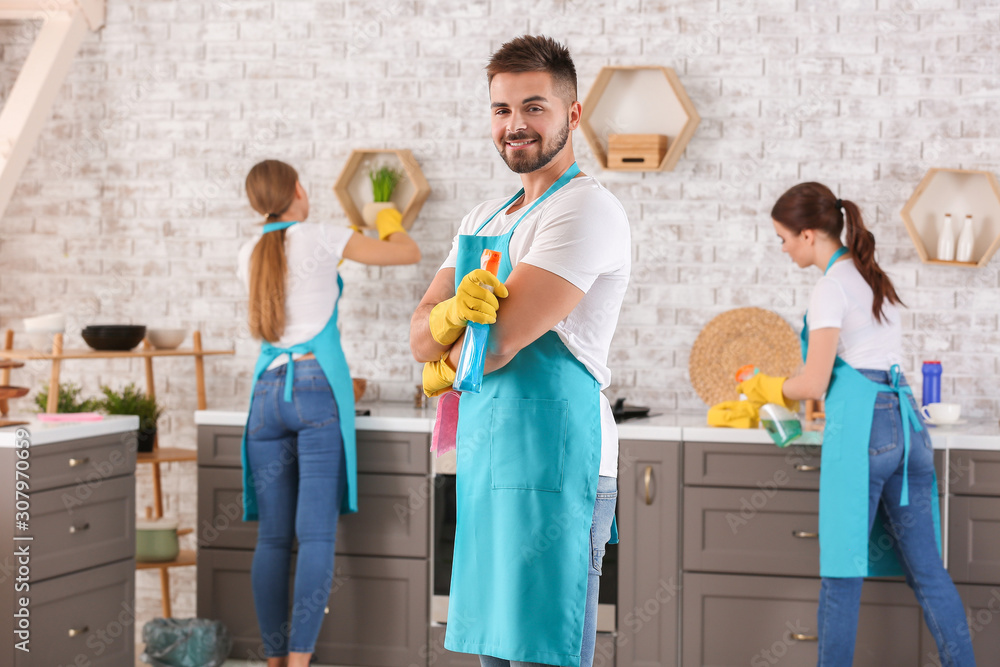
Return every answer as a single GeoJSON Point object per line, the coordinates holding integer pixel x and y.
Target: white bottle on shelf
{"type": "Point", "coordinates": [963, 249]}
{"type": "Point", "coordinates": [946, 241]}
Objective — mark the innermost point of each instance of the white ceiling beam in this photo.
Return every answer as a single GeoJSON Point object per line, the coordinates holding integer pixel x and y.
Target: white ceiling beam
{"type": "Point", "coordinates": [66, 23]}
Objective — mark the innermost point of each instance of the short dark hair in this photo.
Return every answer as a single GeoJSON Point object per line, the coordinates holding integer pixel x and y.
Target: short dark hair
{"type": "Point", "coordinates": [531, 53]}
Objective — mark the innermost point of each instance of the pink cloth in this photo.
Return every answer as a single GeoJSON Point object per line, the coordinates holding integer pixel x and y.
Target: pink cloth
{"type": "Point", "coordinates": [443, 439]}
{"type": "Point", "coordinates": [69, 417]}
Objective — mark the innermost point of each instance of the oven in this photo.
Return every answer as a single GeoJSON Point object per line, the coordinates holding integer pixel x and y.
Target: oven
{"type": "Point", "coordinates": [443, 546]}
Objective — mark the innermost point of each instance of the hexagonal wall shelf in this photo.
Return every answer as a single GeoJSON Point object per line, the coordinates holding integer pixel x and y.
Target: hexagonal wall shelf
{"type": "Point", "coordinates": [353, 188]}
{"type": "Point", "coordinates": [959, 192]}
{"type": "Point", "coordinates": [639, 100]}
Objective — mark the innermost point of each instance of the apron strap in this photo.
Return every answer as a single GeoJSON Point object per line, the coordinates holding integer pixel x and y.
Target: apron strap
{"type": "Point", "coordinates": [301, 348]}
{"type": "Point", "coordinates": [910, 419]}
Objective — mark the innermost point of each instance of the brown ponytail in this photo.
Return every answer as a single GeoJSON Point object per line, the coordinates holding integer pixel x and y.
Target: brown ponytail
{"type": "Point", "coordinates": [270, 186]}
{"type": "Point", "coordinates": [814, 206]}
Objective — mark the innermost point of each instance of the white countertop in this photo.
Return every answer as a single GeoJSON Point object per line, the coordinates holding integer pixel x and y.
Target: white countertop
{"type": "Point", "coordinates": [47, 433]}
{"type": "Point", "coordinates": [689, 427]}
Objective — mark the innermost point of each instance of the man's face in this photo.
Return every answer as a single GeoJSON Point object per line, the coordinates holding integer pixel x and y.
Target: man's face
{"type": "Point", "coordinates": [531, 121]}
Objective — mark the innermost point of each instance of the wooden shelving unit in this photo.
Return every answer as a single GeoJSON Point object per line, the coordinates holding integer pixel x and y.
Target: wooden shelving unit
{"type": "Point", "coordinates": [159, 455]}
{"type": "Point", "coordinates": [959, 192]}
{"type": "Point", "coordinates": [638, 100]}
{"type": "Point", "coordinates": [353, 188]}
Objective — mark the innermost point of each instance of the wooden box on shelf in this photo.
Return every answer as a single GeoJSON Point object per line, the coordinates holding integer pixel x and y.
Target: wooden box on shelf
{"type": "Point", "coordinates": [353, 188]}
{"type": "Point", "coordinates": [640, 100]}
{"type": "Point", "coordinates": [638, 152]}
{"type": "Point", "coordinates": [960, 192]}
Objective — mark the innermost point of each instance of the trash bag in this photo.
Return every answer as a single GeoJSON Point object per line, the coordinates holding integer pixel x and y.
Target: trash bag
{"type": "Point", "coordinates": [185, 642]}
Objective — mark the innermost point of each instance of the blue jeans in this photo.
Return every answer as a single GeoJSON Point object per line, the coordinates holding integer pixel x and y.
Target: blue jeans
{"type": "Point", "coordinates": [600, 533]}
{"type": "Point", "coordinates": [916, 545]}
{"type": "Point", "coordinates": [296, 453]}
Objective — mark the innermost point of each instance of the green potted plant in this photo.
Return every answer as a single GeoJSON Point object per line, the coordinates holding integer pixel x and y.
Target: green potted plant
{"type": "Point", "coordinates": [69, 399]}
{"type": "Point", "coordinates": [131, 401]}
{"type": "Point", "coordinates": [384, 181]}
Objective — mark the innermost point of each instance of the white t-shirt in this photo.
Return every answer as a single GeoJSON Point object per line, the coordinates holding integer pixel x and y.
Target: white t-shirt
{"type": "Point", "coordinates": [581, 234]}
{"type": "Point", "coordinates": [842, 299]}
{"type": "Point", "coordinates": [312, 252]}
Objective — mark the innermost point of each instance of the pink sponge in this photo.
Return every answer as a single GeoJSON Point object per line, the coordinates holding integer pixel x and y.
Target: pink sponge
{"type": "Point", "coordinates": [445, 423]}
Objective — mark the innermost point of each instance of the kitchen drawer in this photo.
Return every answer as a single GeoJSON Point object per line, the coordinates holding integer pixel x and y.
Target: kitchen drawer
{"type": "Point", "coordinates": [82, 463]}
{"type": "Point", "coordinates": [753, 466]}
{"type": "Point", "coordinates": [392, 521]}
{"type": "Point", "coordinates": [394, 452]}
{"type": "Point", "coordinates": [220, 446]}
{"type": "Point", "coordinates": [377, 612]}
{"type": "Point", "coordinates": [982, 607]}
{"type": "Point", "coordinates": [748, 620]}
{"type": "Point", "coordinates": [73, 534]}
{"type": "Point", "coordinates": [97, 605]}
{"type": "Point", "coordinates": [378, 451]}
{"type": "Point", "coordinates": [974, 473]}
{"type": "Point", "coordinates": [751, 531]}
{"type": "Point", "coordinates": [974, 539]}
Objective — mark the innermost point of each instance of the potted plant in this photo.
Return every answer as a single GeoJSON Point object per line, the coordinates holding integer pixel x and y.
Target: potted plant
{"type": "Point", "coordinates": [69, 399]}
{"type": "Point", "coordinates": [384, 181]}
{"type": "Point", "coordinates": [131, 401]}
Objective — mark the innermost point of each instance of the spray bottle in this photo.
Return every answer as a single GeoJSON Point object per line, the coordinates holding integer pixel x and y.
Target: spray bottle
{"type": "Point", "coordinates": [469, 373]}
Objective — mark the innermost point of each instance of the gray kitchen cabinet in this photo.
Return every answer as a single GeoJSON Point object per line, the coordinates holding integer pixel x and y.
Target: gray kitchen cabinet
{"type": "Point", "coordinates": [391, 524]}
{"type": "Point", "coordinates": [974, 539]}
{"type": "Point", "coordinates": [648, 559]}
{"type": "Point", "coordinates": [751, 531]}
{"type": "Point", "coordinates": [379, 602]}
{"type": "Point", "coordinates": [81, 556]}
{"type": "Point", "coordinates": [759, 467]}
{"type": "Point", "coordinates": [974, 517]}
{"type": "Point", "coordinates": [974, 472]}
{"type": "Point", "coordinates": [753, 620]}
{"type": "Point", "coordinates": [377, 611]}
{"type": "Point", "coordinates": [982, 607]}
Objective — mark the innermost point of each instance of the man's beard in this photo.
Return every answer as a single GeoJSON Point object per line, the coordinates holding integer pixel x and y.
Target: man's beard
{"type": "Point", "coordinates": [524, 164]}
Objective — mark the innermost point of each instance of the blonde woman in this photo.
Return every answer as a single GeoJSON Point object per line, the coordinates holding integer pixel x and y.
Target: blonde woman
{"type": "Point", "coordinates": [299, 460]}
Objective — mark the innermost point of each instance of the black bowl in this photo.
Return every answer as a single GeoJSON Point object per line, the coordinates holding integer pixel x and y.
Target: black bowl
{"type": "Point", "coordinates": [113, 337]}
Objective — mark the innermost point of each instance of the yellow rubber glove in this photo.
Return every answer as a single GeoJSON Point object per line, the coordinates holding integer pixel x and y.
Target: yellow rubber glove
{"type": "Point", "coordinates": [472, 303]}
{"type": "Point", "coordinates": [438, 376]}
{"type": "Point", "coordinates": [761, 389]}
{"type": "Point", "coordinates": [734, 414]}
{"type": "Point", "coordinates": [388, 222]}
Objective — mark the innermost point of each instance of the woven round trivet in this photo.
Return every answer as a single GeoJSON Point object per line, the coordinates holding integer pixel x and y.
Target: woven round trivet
{"type": "Point", "coordinates": [737, 338]}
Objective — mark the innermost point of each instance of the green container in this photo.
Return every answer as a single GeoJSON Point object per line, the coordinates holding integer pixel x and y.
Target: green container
{"type": "Point", "coordinates": [781, 424]}
{"type": "Point", "coordinates": [156, 540]}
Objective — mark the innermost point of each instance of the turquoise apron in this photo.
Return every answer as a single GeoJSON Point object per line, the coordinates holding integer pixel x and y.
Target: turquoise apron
{"type": "Point", "coordinates": [529, 454]}
{"type": "Point", "coordinates": [326, 347]}
{"type": "Point", "coordinates": [846, 549]}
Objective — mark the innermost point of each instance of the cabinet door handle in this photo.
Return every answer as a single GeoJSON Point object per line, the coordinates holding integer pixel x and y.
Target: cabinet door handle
{"type": "Point", "coordinates": [79, 529]}
{"type": "Point", "coordinates": [326, 610]}
{"type": "Point", "coordinates": [73, 463]}
{"type": "Point", "coordinates": [802, 467]}
{"type": "Point", "coordinates": [76, 632]}
{"type": "Point", "coordinates": [649, 478]}
{"type": "Point", "coordinates": [804, 638]}
{"type": "Point", "coordinates": [805, 535]}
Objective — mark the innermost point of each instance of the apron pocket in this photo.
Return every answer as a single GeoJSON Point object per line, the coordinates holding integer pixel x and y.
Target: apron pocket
{"type": "Point", "coordinates": [528, 443]}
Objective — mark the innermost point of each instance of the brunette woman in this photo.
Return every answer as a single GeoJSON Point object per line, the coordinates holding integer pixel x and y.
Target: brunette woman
{"type": "Point", "coordinates": [878, 493]}
{"type": "Point", "coordinates": [299, 460]}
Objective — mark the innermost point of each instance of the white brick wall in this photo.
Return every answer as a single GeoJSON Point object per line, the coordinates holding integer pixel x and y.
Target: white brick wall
{"type": "Point", "coordinates": [131, 208]}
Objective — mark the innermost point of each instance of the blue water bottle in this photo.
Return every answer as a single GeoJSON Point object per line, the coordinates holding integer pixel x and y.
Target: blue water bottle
{"type": "Point", "coordinates": [931, 392]}
{"type": "Point", "coordinates": [469, 372]}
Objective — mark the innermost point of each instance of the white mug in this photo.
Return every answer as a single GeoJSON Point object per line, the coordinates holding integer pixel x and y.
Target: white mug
{"type": "Point", "coordinates": [942, 413]}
